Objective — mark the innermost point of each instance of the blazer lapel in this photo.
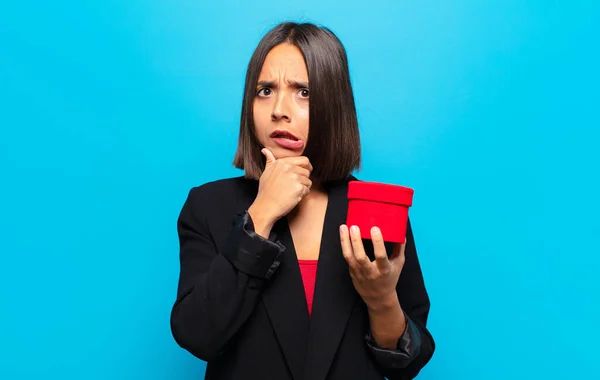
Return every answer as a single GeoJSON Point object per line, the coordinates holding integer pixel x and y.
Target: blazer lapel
{"type": "Point", "coordinates": [334, 295]}
{"type": "Point", "coordinates": [284, 298]}
{"type": "Point", "coordinates": [309, 346]}
{"type": "Point", "coordinates": [285, 302]}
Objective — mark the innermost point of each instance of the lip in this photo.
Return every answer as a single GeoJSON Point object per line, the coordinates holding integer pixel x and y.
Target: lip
{"type": "Point", "coordinates": [287, 140]}
{"type": "Point", "coordinates": [282, 132]}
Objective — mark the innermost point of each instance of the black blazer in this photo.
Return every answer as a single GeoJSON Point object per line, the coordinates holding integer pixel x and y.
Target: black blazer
{"type": "Point", "coordinates": [241, 304]}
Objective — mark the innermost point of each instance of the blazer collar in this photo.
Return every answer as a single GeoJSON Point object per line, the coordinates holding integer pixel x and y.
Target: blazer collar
{"type": "Point", "coordinates": [309, 346]}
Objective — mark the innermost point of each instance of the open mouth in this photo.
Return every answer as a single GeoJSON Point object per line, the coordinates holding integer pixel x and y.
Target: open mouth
{"type": "Point", "coordinates": [283, 135]}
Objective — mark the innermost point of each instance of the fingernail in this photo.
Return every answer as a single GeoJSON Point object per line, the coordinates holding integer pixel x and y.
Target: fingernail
{"type": "Point", "coordinates": [342, 229]}
{"type": "Point", "coordinates": [354, 229]}
{"type": "Point", "coordinates": [374, 230]}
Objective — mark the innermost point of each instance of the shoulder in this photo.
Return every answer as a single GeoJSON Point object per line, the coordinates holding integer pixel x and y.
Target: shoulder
{"type": "Point", "coordinates": [216, 187]}
{"type": "Point", "coordinates": [220, 194]}
{"type": "Point", "coordinates": [211, 206]}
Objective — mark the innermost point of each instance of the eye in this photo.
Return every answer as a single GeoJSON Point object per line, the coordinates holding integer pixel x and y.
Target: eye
{"type": "Point", "coordinates": [304, 92]}
{"type": "Point", "coordinates": [264, 92]}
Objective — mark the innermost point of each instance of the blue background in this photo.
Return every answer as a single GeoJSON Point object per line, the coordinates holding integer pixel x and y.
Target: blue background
{"type": "Point", "coordinates": [110, 111]}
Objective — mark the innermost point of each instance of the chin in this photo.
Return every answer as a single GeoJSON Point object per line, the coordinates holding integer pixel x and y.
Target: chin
{"type": "Point", "coordinates": [279, 152]}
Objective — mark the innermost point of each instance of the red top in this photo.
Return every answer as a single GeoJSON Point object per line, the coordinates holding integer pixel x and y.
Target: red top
{"type": "Point", "coordinates": [308, 270]}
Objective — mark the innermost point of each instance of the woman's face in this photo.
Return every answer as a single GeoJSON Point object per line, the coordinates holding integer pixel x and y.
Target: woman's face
{"type": "Point", "coordinates": [281, 104]}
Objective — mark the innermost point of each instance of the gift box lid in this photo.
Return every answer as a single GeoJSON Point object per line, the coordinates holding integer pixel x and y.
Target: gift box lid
{"type": "Point", "coordinates": [380, 192]}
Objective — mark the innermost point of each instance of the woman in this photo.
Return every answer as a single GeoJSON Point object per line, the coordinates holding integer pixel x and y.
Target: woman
{"type": "Point", "coordinates": [273, 284]}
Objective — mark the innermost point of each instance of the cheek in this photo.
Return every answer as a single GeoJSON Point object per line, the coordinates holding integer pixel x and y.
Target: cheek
{"type": "Point", "coordinates": [302, 115]}
{"type": "Point", "coordinates": [261, 118]}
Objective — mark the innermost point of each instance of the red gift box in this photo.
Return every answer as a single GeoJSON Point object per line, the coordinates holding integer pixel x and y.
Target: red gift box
{"type": "Point", "coordinates": [372, 204]}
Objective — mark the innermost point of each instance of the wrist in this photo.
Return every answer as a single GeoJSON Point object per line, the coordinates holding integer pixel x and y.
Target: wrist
{"type": "Point", "coordinates": [263, 222]}
{"type": "Point", "coordinates": [383, 304]}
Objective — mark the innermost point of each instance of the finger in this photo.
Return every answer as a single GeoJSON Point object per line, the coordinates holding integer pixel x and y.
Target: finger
{"type": "Point", "coordinates": [305, 181]}
{"type": "Point", "coordinates": [304, 185]}
{"type": "Point", "coordinates": [358, 249]}
{"type": "Point", "coordinates": [301, 161]}
{"type": "Point", "coordinates": [269, 155]}
{"type": "Point", "coordinates": [347, 247]}
{"type": "Point", "coordinates": [381, 259]}
{"type": "Point", "coordinates": [301, 171]}
{"type": "Point", "coordinates": [398, 254]}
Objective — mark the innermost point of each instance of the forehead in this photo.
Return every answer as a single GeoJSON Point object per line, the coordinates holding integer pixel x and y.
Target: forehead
{"type": "Point", "coordinates": [284, 59]}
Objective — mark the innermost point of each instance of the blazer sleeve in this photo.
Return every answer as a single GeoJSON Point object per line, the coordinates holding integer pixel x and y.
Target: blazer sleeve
{"type": "Point", "coordinates": [217, 291]}
{"type": "Point", "coordinates": [416, 345]}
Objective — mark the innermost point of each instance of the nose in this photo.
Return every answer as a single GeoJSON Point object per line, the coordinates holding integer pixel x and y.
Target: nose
{"type": "Point", "coordinates": [281, 110]}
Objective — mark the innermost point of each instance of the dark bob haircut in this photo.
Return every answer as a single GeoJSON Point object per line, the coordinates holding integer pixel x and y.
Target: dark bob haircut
{"type": "Point", "coordinates": [333, 145]}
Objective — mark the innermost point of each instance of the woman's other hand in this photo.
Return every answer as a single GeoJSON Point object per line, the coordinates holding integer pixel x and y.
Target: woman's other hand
{"type": "Point", "coordinates": [375, 281]}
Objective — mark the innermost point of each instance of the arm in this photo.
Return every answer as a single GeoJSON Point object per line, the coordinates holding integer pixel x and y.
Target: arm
{"type": "Point", "coordinates": [387, 322]}
{"type": "Point", "coordinates": [217, 292]}
{"type": "Point", "coordinates": [403, 320]}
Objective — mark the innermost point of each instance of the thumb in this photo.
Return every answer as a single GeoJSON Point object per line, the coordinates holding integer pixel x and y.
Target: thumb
{"type": "Point", "coordinates": [270, 158]}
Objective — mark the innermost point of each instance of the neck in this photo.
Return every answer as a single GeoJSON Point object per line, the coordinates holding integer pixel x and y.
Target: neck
{"type": "Point", "coordinates": [317, 185]}
{"type": "Point", "coordinates": [317, 194]}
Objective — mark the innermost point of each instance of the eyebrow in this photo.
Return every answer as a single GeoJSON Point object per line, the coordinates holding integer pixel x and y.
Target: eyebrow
{"type": "Point", "coordinates": [272, 84]}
